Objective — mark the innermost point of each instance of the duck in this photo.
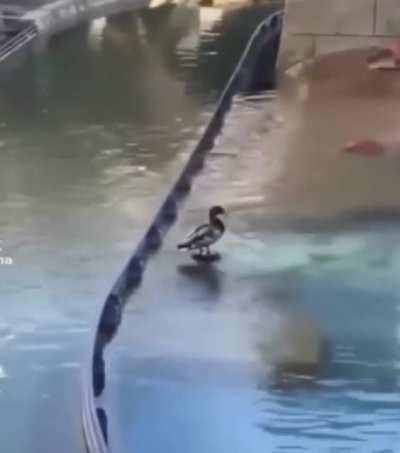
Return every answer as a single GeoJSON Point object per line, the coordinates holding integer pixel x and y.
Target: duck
{"type": "Point", "coordinates": [205, 235]}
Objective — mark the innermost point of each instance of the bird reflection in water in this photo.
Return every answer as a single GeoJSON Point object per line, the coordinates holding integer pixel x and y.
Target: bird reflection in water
{"type": "Point", "coordinates": [206, 277]}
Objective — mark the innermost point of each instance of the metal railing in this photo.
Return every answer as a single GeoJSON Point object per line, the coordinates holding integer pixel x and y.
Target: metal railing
{"type": "Point", "coordinates": [19, 40]}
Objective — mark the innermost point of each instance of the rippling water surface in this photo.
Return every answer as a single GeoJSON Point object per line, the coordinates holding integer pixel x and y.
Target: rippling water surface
{"type": "Point", "coordinates": [92, 133]}
{"type": "Point", "coordinates": [291, 341]}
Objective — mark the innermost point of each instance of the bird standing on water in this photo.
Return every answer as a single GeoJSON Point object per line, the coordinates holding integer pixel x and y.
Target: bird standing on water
{"type": "Point", "coordinates": [205, 235]}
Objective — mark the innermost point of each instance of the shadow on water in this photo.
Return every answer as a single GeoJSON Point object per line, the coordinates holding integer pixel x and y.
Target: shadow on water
{"type": "Point", "coordinates": [205, 276]}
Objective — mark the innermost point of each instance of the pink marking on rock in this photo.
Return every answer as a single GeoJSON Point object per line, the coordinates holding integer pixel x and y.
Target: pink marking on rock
{"type": "Point", "coordinates": [366, 147]}
{"type": "Point", "coordinates": [386, 57]}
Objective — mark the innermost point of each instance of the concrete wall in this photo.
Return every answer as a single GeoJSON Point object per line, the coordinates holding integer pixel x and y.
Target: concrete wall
{"type": "Point", "coordinates": [315, 27]}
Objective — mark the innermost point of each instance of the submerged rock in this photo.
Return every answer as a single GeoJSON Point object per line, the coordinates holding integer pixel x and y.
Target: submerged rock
{"type": "Point", "coordinates": [295, 351]}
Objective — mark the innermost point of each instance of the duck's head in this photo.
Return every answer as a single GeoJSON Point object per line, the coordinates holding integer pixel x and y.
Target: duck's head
{"type": "Point", "coordinates": [216, 211]}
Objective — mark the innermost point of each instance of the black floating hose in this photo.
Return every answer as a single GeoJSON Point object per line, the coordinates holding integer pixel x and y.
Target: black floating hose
{"type": "Point", "coordinates": [255, 69]}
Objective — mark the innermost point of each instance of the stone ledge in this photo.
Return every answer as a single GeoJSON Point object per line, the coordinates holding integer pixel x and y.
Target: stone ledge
{"type": "Point", "coordinates": [330, 17]}
{"type": "Point", "coordinates": [331, 44]}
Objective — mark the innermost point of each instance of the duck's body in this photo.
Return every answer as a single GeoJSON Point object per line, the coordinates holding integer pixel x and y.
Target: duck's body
{"type": "Point", "coordinates": [205, 235]}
